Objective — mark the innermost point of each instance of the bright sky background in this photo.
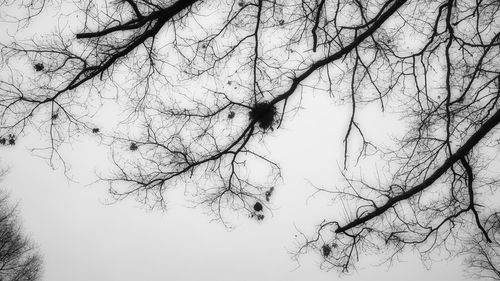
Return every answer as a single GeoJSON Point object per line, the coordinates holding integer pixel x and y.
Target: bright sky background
{"type": "Point", "coordinates": [84, 239]}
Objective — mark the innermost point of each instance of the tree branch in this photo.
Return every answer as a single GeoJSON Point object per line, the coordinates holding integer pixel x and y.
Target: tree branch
{"type": "Point", "coordinates": [461, 152]}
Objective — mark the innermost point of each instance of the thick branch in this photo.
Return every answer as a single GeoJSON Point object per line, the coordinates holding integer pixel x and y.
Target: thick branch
{"type": "Point", "coordinates": [460, 153]}
{"type": "Point", "coordinates": [470, 179]}
{"type": "Point", "coordinates": [344, 51]}
{"type": "Point", "coordinates": [316, 24]}
{"type": "Point", "coordinates": [162, 16]}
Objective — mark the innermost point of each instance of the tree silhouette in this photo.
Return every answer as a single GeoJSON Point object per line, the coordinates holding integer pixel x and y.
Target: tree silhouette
{"type": "Point", "coordinates": [19, 259]}
{"type": "Point", "coordinates": [204, 82]}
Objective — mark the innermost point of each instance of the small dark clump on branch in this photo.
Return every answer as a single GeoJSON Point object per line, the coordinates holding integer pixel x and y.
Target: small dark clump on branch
{"type": "Point", "coordinates": [264, 113]}
{"type": "Point", "coordinates": [326, 250]}
{"type": "Point", "coordinates": [95, 130]}
{"type": "Point", "coordinates": [12, 139]}
{"type": "Point", "coordinates": [38, 66]}
{"type": "Point", "coordinates": [269, 193]}
{"type": "Point", "coordinates": [133, 146]}
{"type": "Point", "coordinates": [257, 207]}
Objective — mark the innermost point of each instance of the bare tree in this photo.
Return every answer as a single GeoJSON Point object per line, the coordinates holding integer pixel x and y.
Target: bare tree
{"type": "Point", "coordinates": [204, 82]}
{"type": "Point", "coordinates": [19, 258]}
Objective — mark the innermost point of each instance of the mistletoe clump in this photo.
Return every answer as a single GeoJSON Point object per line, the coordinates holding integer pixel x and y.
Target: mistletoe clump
{"type": "Point", "coordinates": [38, 67]}
{"type": "Point", "coordinates": [263, 113]}
{"type": "Point", "coordinates": [326, 249]}
{"type": "Point", "coordinates": [257, 207]}
{"type": "Point", "coordinates": [133, 146]}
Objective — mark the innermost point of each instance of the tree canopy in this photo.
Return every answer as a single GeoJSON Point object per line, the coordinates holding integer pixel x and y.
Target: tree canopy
{"type": "Point", "coordinates": [201, 84]}
{"type": "Point", "coordinates": [19, 258]}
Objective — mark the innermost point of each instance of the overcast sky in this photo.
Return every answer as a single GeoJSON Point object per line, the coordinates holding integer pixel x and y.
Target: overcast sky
{"type": "Point", "coordinates": [83, 238]}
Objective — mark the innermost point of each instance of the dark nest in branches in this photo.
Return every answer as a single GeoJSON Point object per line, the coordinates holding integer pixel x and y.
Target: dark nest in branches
{"type": "Point", "coordinates": [257, 207]}
{"type": "Point", "coordinates": [38, 66]}
{"type": "Point", "coordinates": [264, 114]}
{"type": "Point", "coordinates": [133, 146]}
{"type": "Point", "coordinates": [269, 193]}
{"type": "Point", "coordinates": [326, 249]}
{"type": "Point", "coordinates": [10, 141]}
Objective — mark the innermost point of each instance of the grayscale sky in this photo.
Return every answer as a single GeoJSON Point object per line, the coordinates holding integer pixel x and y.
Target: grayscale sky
{"type": "Point", "coordinates": [83, 238]}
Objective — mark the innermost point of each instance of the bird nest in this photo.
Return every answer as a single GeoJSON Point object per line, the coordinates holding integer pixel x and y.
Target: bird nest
{"type": "Point", "coordinates": [38, 66]}
{"type": "Point", "coordinates": [257, 207]}
{"type": "Point", "coordinates": [264, 114]}
{"type": "Point", "coordinates": [326, 249]}
{"type": "Point", "coordinates": [133, 146]}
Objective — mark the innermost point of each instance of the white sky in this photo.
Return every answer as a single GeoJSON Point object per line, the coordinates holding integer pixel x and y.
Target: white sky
{"type": "Point", "coordinates": [82, 238]}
